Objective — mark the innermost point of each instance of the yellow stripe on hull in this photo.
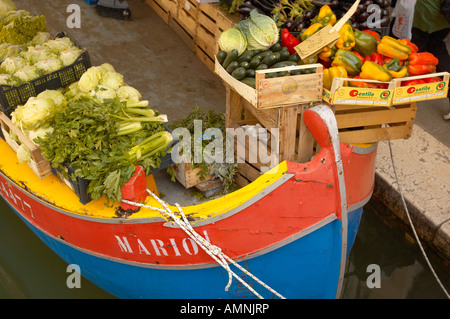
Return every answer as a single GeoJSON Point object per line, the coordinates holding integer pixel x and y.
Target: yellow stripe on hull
{"type": "Point", "coordinates": [56, 193]}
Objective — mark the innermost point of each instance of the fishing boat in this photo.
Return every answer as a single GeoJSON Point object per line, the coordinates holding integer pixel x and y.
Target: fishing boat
{"type": "Point", "coordinates": [285, 235]}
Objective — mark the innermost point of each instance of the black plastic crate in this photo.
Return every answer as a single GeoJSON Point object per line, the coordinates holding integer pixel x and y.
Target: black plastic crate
{"type": "Point", "coordinates": [80, 185]}
{"type": "Point", "coordinates": [12, 96]}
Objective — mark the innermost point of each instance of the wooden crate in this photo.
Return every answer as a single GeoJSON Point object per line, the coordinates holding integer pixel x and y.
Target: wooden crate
{"type": "Point", "coordinates": [421, 92]}
{"type": "Point", "coordinates": [38, 163]}
{"type": "Point", "coordinates": [295, 142]}
{"type": "Point", "coordinates": [199, 25]}
{"type": "Point", "coordinates": [279, 91]}
{"type": "Point", "coordinates": [165, 9]}
{"type": "Point", "coordinates": [360, 124]}
{"type": "Point", "coordinates": [189, 177]}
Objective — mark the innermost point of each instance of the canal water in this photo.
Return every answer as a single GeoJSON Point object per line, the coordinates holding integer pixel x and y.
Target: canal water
{"type": "Point", "coordinates": [29, 269]}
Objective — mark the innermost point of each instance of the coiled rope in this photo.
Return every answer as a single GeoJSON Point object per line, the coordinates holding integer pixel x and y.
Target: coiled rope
{"type": "Point", "coordinates": [212, 250]}
{"type": "Point", "coordinates": [412, 225]}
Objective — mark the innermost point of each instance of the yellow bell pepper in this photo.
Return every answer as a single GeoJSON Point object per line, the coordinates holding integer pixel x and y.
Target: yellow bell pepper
{"type": "Point", "coordinates": [347, 39]}
{"type": "Point", "coordinates": [373, 71]}
{"type": "Point", "coordinates": [393, 48]}
{"type": "Point", "coordinates": [313, 28]}
{"type": "Point", "coordinates": [398, 74]}
{"type": "Point", "coordinates": [328, 53]}
{"type": "Point", "coordinates": [331, 73]}
{"type": "Point", "coordinates": [325, 16]}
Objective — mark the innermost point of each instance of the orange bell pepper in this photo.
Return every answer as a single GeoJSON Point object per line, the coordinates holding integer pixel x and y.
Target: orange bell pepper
{"type": "Point", "coordinates": [413, 47]}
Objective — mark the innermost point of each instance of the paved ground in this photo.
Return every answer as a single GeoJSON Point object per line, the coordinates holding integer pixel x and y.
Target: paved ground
{"type": "Point", "coordinates": [154, 60]}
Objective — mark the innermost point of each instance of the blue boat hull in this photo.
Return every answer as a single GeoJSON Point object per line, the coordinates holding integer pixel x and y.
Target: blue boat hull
{"type": "Point", "coordinates": [305, 268]}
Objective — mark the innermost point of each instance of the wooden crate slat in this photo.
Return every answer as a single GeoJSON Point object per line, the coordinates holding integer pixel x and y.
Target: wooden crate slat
{"type": "Point", "coordinates": [376, 134]}
{"type": "Point", "coordinates": [375, 117]}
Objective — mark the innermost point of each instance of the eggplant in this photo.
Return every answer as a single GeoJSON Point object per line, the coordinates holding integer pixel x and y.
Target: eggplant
{"type": "Point", "coordinates": [244, 9]}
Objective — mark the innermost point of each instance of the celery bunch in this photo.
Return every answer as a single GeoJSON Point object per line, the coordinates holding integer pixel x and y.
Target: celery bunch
{"type": "Point", "coordinates": [104, 140]}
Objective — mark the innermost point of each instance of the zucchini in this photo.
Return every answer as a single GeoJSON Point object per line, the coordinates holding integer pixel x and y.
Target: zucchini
{"type": "Point", "coordinates": [294, 57]}
{"type": "Point", "coordinates": [244, 64]}
{"type": "Point", "coordinates": [284, 54]}
{"type": "Point", "coordinates": [262, 66]}
{"type": "Point", "coordinates": [271, 59]}
{"type": "Point", "coordinates": [254, 63]}
{"type": "Point", "coordinates": [231, 56]}
{"type": "Point", "coordinates": [239, 73]}
{"type": "Point", "coordinates": [221, 55]}
{"type": "Point", "coordinates": [249, 81]}
{"type": "Point", "coordinates": [282, 64]}
{"type": "Point", "coordinates": [296, 72]}
{"type": "Point", "coordinates": [246, 56]}
{"type": "Point", "coordinates": [276, 47]}
{"type": "Point", "coordinates": [250, 73]}
{"type": "Point", "coordinates": [263, 54]}
{"type": "Point", "coordinates": [233, 65]}
{"type": "Point", "coordinates": [282, 73]}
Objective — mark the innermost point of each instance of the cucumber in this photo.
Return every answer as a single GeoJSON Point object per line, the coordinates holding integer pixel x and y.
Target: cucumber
{"type": "Point", "coordinates": [231, 56]}
{"type": "Point", "coordinates": [233, 65]}
{"type": "Point", "coordinates": [284, 54]}
{"type": "Point", "coordinates": [239, 73]}
{"type": "Point", "coordinates": [246, 56]}
{"type": "Point", "coordinates": [221, 55]}
{"type": "Point", "coordinates": [249, 81]}
{"type": "Point", "coordinates": [254, 63]}
{"type": "Point", "coordinates": [276, 47]}
{"type": "Point", "coordinates": [250, 73]}
{"type": "Point", "coordinates": [244, 64]}
{"type": "Point", "coordinates": [282, 64]}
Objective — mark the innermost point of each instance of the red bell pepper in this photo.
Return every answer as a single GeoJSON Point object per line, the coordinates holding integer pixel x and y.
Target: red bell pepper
{"type": "Point", "coordinates": [422, 58]}
{"type": "Point", "coordinates": [412, 82]}
{"type": "Point", "coordinates": [360, 84]}
{"type": "Point", "coordinates": [419, 69]}
{"type": "Point", "coordinates": [373, 33]}
{"type": "Point", "coordinates": [289, 41]}
{"type": "Point", "coordinates": [414, 48]}
{"type": "Point", "coordinates": [375, 57]}
{"type": "Point", "coordinates": [432, 79]}
{"type": "Point", "coordinates": [359, 56]}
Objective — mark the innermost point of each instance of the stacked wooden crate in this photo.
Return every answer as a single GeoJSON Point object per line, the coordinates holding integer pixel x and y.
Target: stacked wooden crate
{"type": "Point", "coordinates": [198, 24]}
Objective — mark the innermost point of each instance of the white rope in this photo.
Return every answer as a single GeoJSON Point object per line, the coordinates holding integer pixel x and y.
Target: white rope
{"type": "Point", "coordinates": [212, 250]}
{"type": "Point", "coordinates": [412, 225]}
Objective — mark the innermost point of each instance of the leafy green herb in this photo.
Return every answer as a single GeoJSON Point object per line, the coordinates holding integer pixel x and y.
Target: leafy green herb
{"type": "Point", "coordinates": [209, 119]}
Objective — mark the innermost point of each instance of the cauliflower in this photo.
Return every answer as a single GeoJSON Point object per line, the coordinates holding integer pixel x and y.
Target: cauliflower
{"type": "Point", "coordinates": [129, 93]}
{"type": "Point", "coordinates": [102, 92]}
{"type": "Point", "coordinates": [112, 80]}
{"type": "Point", "coordinates": [27, 73]}
{"type": "Point", "coordinates": [70, 55]}
{"type": "Point", "coordinates": [34, 113]}
{"type": "Point", "coordinates": [49, 65]}
{"type": "Point", "coordinates": [13, 64]}
{"type": "Point", "coordinates": [90, 79]}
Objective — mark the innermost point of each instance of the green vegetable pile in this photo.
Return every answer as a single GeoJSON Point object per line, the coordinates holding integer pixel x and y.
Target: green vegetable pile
{"type": "Point", "coordinates": [42, 56]}
{"type": "Point", "coordinates": [98, 126]}
{"type": "Point", "coordinates": [224, 171]}
{"type": "Point", "coordinates": [242, 67]}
